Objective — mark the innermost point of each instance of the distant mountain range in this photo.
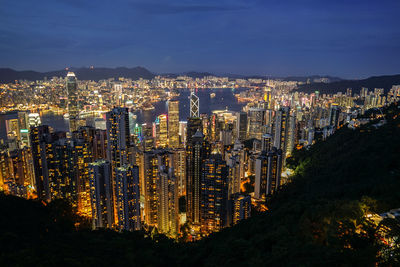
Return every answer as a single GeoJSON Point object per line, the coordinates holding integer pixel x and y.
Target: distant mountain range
{"type": "Point", "coordinates": [335, 84]}
{"type": "Point", "coordinates": [9, 75]}
{"type": "Point", "coordinates": [385, 82]}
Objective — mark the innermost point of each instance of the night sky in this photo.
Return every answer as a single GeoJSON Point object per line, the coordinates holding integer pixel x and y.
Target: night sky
{"type": "Point", "coordinates": [347, 38]}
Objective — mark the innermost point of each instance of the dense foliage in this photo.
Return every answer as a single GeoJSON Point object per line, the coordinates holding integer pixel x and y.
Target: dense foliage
{"type": "Point", "coordinates": [318, 219]}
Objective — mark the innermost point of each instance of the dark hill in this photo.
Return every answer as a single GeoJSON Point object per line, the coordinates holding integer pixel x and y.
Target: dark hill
{"type": "Point", "coordinates": [385, 82]}
{"type": "Point", "coordinates": [10, 75]}
{"type": "Point", "coordinates": [319, 219]}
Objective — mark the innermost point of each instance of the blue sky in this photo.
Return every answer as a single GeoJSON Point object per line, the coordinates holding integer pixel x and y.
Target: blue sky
{"type": "Point", "coordinates": [351, 39]}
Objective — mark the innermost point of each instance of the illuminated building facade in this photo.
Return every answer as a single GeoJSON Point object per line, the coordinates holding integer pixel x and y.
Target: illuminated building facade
{"type": "Point", "coordinates": [194, 105]}
{"type": "Point", "coordinates": [255, 123]}
{"type": "Point", "coordinates": [118, 143]}
{"type": "Point", "coordinates": [214, 194]}
{"type": "Point", "coordinates": [241, 125]}
{"type": "Point", "coordinates": [196, 152]}
{"type": "Point", "coordinates": [173, 124]}
{"type": "Point", "coordinates": [101, 194]}
{"type": "Point", "coordinates": [127, 198]}
{"type": "Point", "coordinates": [73, 101]}
{"type": "Point", "coordinates": [240, 208]}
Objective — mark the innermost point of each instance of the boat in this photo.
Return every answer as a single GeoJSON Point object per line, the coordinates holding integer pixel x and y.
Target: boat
{"type": "Point", "coordinates": [66, 116]}
{"type": "Point", "coordinates": [212, 95]}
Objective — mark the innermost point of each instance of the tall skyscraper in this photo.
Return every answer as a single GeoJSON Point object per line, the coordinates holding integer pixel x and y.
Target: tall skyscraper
{"type": "Point", "coordinates": [173, 124]}
{"type": "Point", "coordinates": [197, 151]}
{"type": "Point", "coordinates": [127, 198]}
{"type": "Point", "coordinates": [167, 190]}
{"type": "Point", "coordinates": [150, 168]}
{"type": "Point", "coordinates": [240, 208]}
{"type": "Point", "coordinates": [118, 143]}
{"type": "Point", "coordinates": [241, 125]}
{"type": "Point", "coordinates": [193, 125]}
{"type": "Point", "coordinates": [38, 137]}
{"type": "Point", "coordinates": [214, 194]}
{"type": "Point", "coordinates": [194, 105]}
{"type": "Point", "coordinates": [101, 194]}
{"type": "Point", "coordinates": [73, 101]}
{"type": "Point", "coordinates": [162, 136]}
{"type": "Point", "coordinates": [268, 173]}
{"type": "Point", "coordinates": [256, 121]}
{"type": "Point", "coordinates": [281, 128]}
{"type": "Point", "coordinates": [334, 112]}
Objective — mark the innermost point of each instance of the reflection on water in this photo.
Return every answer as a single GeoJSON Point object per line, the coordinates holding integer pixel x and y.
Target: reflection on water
{"type": "Point", "coordinates": [224, 99]}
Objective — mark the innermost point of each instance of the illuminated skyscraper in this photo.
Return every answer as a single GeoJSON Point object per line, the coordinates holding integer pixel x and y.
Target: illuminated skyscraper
{"type": "Point", "coordinates": [167, 190]}
{"type": "Point", "coordinates": [274, 171]}
{"type": "Point", "coordinates": [118, 143]}
{"type": "Point", "coordinates": [334, 113]}
{"type": "Point", "coordinates": [118, 94]}
{"type": "Point", "coordinates": [39, 135]}
{"type": "Point", "coordinates": [127, 198]}
{"type": "Point", "coordinates": [240, 208]}
{"type": "Point", "coordinates": [214, 194]}
{"type": "Point", "coordinates": [266, 142]}
{"type": "Point", "coordinates": [281, 128]}
{"type": "Point", "coordinates": [234, 172]}
{"type": "Point", "coordinates": [196, 152]}
{"type": "Point", "coordinates": [173, 124]}
{"type": "Point", "coordinates": [180, 170]}
{"type": "Point", "coordinates": [101, 194]}
{"type": "Point", "coordinates": [150, 168]}
{"type": "Point", "coordinates": [194, 106]}
{"type": "Point", "coordinates": [241, 125]}
{"type": "Point", "coordinates": [193, 125]}
{"type": "Point", "coordinates": [256, 121]}
{"type": "Point", "coordinates": [268, 173]}
{"type": "Point", "coordinates": [148, 140]}
{"type": "Point", "coordinates": [73, 101]}
{"type": "Point", "coordinates": [163, 131]}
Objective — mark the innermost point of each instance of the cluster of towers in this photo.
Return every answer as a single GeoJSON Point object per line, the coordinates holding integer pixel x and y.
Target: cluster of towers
{"type": "Point", "coordinates": [204, 174]}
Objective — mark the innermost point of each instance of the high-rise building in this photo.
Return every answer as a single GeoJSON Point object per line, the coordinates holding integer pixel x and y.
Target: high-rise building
{"type": "Point", "coordinates": [162, 136]}
{"type": "Point", "coordinates": [193, 125]}
{"type": "Point", "coordinates": [34, 119]}
{"type": "Point", "coordinates": [334, 112]}
{"type": "Point", "coordinates": [173, 124]}
{"type": "Point", "coordinates": [214, 194]}
{"type": "Point", "coordinates": [73, 101]}
{"type": "Point", "coordinates": [180, 170]}
{"type": "Point", "coordinates": [256, 121]}
{"type": "Point", "coordinates": [127, 198]}
{"type": "Point", "coordinates": [150, 168]}
{"type": "Point", "coordinates": [196, 152]}
{"type": "Point", "coordinates": [148, 139]}
{"type": "Point", "coordinates": [268, 173]}
{"type": "Point", "coordinates": [241, 125]}
{"type": "Point", "coordinates": [240, 208]}
{"type": "Point", "coordinates": [266, 142]}
{"type": "Point", "coordinates": [101, 194]}
{"type": "Point", "coordinates": [167, 190]}
{"type": "Point", "coordinates": [281, 128]}
{"type": "Point", "coordinates": [39, 137]}
{"type": "Point", "coordinates": [194, 106]}
{"type": "Point", "coordinates": [118, 143]}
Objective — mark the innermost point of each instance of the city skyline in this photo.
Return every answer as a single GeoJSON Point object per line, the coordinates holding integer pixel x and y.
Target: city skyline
{"type": "Point", "coordinates": [350, 39]}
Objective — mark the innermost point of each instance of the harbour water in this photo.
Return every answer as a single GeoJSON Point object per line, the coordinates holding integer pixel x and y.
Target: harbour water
{"type": "Point", "coordinates": [224, 99]}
